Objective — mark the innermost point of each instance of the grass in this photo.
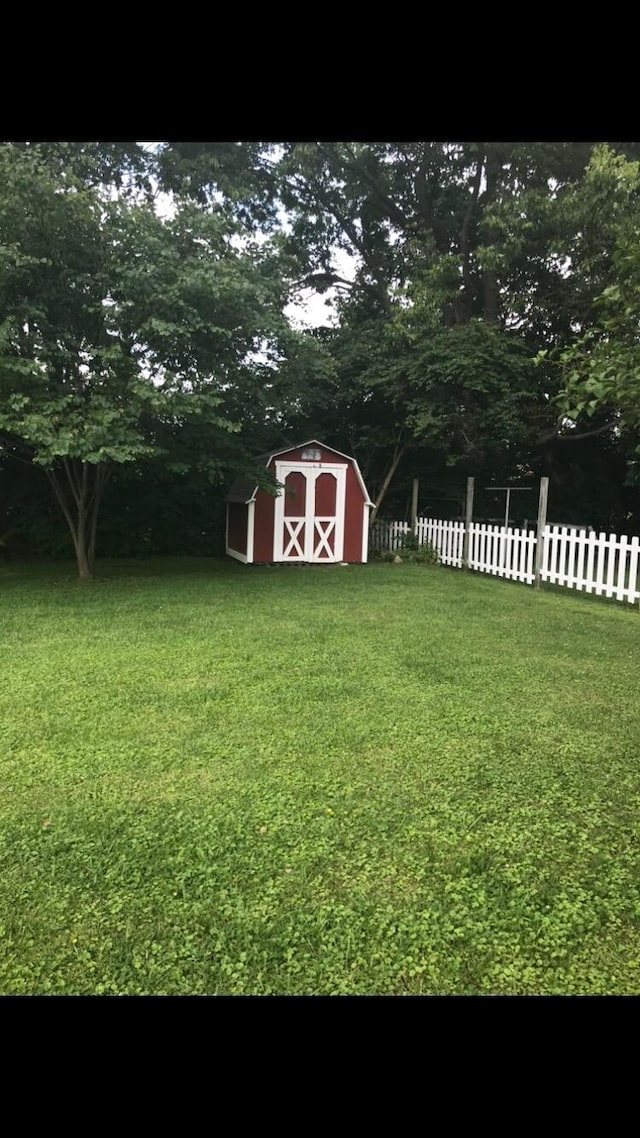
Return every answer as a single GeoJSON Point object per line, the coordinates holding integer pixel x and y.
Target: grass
{"type": "Point", "coordinates": [377, 779]}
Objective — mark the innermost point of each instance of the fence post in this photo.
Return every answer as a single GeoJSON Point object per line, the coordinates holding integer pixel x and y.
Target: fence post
{"type": "Point", "coordinates": [467, 523]}
{"type": "Point", "coordinates": [542, 521]}
{"type": "Point", "coordinates": [414, 505]}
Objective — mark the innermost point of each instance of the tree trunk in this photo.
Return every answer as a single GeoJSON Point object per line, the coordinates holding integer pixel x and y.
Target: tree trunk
{"type": "Point", "coordinates": [491, 285]}
{"type": "Point", "coordinates": [491, 297]}
{"type": "Point", "coordinates": [80, 501]}
{"type": "Point", "coordinates": [465, 299]}
{"type": "Point", "coordinates": [101, 478]}
{"type": "Point", "coordinates": [386, 482]}
{"type": "Point", "coordinates": [85, 568]}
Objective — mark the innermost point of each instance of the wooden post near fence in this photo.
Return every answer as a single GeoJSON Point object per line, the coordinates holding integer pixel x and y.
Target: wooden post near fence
{"type": "Point", "coordinates": [414, 504]}
{"type": "Point", "coordinates": [542, 521]}
{"type": "Point", "coordinates": [467, 523]}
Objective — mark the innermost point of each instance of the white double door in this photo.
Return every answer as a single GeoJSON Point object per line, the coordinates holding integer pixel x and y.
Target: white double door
{"type": "Point", "coordinates": [309, 512]}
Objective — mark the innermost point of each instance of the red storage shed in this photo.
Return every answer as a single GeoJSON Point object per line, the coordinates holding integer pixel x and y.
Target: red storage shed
{"type": "Point", "coordinates": [321, 516]}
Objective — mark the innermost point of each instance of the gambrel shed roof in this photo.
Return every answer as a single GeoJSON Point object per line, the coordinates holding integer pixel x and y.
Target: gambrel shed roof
{"type": "Point", "coordinates": [245, 488]}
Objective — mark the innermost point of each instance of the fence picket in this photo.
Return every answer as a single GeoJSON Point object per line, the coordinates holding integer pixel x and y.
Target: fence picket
{"type": "Point", "coordinates": [493, 551]}
{"type": "Point", "coordinates": [524, 556]}
{"type": "Point", "coordinates": [508, 552]}
{"type": "Point", "coordinates": [488, 558]}
{"type": "Point", "coordinates": [600, 564]}
{"type": "Point", "coordinates": [590, 579]}
{"type": "Point", "coordinates": [530, 560]}
{"type": "Point", "coordinates": [633, 594]}
{"type": "Point", "coordinates": [572, 552]}
{"type": "Point", "coordinates": [562, 557]}
{"type": "Point", "coordinates": [593, 563]}
{"type": "Point", "coordinates": [516, 555]}
{"type": "Point", "coordinates": [484, 538]}
{"type": "Point", "coordinates": [580, 581]}
{"type": "Point", "coordinates": [622, 568]}
{"type": "Point", "coordinates": [612, 546]}
{"type": "Point", "coordinates": [518, 551]}
{"type": "Point", "coordinates": [552, 547]}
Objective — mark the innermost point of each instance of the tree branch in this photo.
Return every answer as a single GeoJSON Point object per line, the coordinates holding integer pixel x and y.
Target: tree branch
{"type": "Point", "coordinates": [393, 210]}
{"type": "Point", "coordinates": [85, 478]}
{"type": "Point", "coordinates": [552, 435]}
{"type": "Point", "coordinates": [466, 223]}
{"type": "Point", "coordinates": [329, 279]}
{"type": "Point", "coordinates": [348, 227]}
{"type": "Point", "coordinates": [346, 224]}
{"type": "Point", "coordinates": [103, 470]}
{"type": "Point", "coordinates": [62, 502]}
{"type": "Point", "coordinates": [399, 451]}
{"type": "Point", "coordinates": [72, 480]}
{"type": "Point", "coordinates": [10, 447]}
{"type": "Point", "coordinates": [333, 281]}
{"type": "Point", "coordinates": [100, 481]}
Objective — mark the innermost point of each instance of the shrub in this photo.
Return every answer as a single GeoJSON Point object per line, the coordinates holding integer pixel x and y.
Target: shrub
{"type": "Point", "coordinates": [409, 549]}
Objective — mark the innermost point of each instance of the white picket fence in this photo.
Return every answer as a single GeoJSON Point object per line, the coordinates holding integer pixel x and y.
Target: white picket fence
{"type": "Point", "coordinates": [590, 562]}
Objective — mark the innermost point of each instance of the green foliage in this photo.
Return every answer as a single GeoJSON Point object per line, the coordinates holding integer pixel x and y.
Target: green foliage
{"type": "Point", "coordinates": [235, 176]}
{"type": "Point", "coordinates": [128, 338]}
{"type": "Point", "coordinates": [185, 819]}
{"type": "Point", "coordinates": [410, 549]}
{"type": "Point", "coordinates": [471, 392]}
{"type": "Point", "coordinates": [460, 275]}
{"type": "Point", "coordinates": [114, 317]}
{"type": "Point", "coordinates": [118, 327]}
{"type": "Point", "coordinates": [387, 555]}
{"type": "Point", "coordinates": [600, 367]}
{"type": "Point", "coordinates": [446, 236]}
{"type": "Point", "coordinates": [422, 553]}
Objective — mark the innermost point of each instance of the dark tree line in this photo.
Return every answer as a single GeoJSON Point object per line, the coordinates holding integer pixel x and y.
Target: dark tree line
{"type": "Point", "coordinates": [488, 325]}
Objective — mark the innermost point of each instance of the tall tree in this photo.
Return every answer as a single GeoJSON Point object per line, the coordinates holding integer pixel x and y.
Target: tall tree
{"type": "Point", "coordinates": [461, 272]}
{"type": "Point", "coordinates": [600, 366]}
{"type": "Point", "coordinates": [117, 325]}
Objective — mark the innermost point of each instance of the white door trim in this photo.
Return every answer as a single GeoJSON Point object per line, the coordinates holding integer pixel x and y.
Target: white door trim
{"type": "Point", "coordinates": [365, 532]}
{"type": "Point", "coordinates": [311, 471]}
{"type": "Point", "coordinates": [251, 520]}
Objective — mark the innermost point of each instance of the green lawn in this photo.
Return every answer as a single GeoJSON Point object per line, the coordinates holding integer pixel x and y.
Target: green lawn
{"type": "Point", "coordinates": [374, 779]}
